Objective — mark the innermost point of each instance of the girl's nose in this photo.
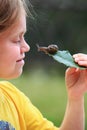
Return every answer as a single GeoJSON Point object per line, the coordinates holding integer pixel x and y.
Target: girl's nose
{"type": "Point", "coordinates": [25, 47]}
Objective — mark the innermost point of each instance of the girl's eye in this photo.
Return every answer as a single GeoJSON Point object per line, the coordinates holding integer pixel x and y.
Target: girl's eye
{"type": "Point", "coordinates": [17, 41]}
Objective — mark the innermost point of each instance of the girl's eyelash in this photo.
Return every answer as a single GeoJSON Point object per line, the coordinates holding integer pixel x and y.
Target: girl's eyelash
{"type": "Point", "coordinates": [17, 41]}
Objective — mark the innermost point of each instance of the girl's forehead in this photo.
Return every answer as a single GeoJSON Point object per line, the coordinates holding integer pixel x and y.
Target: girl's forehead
{"type": "Point", "coordinates": [18, 27]}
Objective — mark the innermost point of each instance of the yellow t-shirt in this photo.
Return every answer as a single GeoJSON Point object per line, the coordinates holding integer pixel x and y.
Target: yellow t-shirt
{"type": "Point", "coordinates": [18, 113]}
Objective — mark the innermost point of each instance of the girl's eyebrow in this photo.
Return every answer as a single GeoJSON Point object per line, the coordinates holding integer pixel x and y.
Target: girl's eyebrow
{"type": "Point", "coordinates": [24, 31]}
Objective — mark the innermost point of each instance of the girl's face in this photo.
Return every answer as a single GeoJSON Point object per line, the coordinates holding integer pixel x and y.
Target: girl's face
{"type": "Point", "coordinates": [12, 49]}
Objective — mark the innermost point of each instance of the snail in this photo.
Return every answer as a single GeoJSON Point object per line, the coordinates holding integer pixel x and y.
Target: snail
{"type": "Point", "coordinates": [51, 49]}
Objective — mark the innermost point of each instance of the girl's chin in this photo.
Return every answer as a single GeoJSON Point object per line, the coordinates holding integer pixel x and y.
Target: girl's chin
{"type": "Point", "coordinates": [14, 76]}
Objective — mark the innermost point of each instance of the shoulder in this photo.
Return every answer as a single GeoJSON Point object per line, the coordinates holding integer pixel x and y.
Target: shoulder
{"type": "Point", "coordinates": [13, 93]}
{"type": "Point", "coordinates": [11, 90]}
{"type": "Point", "coordinates": [7, 86]}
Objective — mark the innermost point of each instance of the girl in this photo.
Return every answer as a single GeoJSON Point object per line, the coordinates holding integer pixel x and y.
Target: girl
{"type": "Point", "coordinates": [16, 110]}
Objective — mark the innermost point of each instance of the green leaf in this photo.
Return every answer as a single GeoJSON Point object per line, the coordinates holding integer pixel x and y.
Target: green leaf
{"type": "Point", "coordinates": [66, 58]}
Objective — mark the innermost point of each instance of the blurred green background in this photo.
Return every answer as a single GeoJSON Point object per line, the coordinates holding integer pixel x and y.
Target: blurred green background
{"type": "Point", "coordinates": [61, 22]}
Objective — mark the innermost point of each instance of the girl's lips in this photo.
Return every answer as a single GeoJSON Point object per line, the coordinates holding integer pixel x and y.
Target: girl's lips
{"type": "Point", "coordinates": [22, 58]}
{"type": "Point", "coordinates": [20, 61]}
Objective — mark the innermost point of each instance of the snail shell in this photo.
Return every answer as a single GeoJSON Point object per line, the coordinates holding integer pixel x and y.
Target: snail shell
{"type": "Point", "coordinates": [51, 49]}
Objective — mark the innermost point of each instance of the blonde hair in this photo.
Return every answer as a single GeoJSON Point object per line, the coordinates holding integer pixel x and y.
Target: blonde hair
{"type": "Point", "coordinates": [10, 11]}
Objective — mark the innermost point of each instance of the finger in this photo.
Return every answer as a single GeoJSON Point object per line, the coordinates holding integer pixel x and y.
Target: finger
{"type": "Point", "coordinates": [71, 71]}
{"type": "Point", "coordinates": [80, 57]}
{"type": "Point", "coordinates": [82, 63]}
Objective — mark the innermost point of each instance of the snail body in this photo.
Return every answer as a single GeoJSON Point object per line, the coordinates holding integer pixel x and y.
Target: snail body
{"type": "Point", "coordinates": [51, 49]}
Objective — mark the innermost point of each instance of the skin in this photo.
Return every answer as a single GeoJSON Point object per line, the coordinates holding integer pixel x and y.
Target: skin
{"type": "Point", "coordinates": [81, 59]}
{"type": "Point", "coordinates": [12, 49]}
{"type": "Point", "coordinates": [76, 82]}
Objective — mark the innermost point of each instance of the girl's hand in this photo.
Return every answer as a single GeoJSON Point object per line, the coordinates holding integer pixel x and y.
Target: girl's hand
{"type": "Point", "coordinates": [76, 82]}
{"type": "Point", "coordinates": [81, 59]}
